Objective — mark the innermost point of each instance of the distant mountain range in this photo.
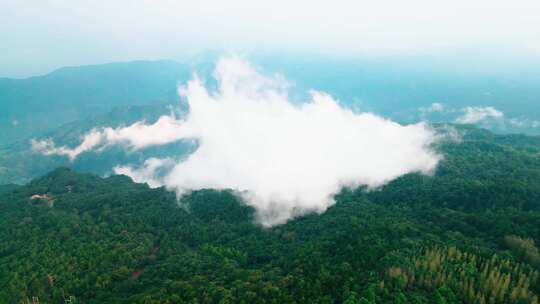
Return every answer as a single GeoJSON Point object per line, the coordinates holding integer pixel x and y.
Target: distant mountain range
{"type": "Point", "coordinates": [33, 105]}
{"type": "Point", "coordinates": [393, 87]}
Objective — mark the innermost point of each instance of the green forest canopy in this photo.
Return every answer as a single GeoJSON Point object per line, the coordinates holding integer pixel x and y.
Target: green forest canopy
{"type": "Point", "coordinates": [467, 234]}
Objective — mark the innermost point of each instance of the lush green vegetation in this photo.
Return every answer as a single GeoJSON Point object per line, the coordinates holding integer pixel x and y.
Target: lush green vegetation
{"type": "Point", "coordinates": [467, 234]}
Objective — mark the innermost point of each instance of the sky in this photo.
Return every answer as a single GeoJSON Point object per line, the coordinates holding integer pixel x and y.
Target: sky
{"type": "Point", "coordinates": [39, 36]}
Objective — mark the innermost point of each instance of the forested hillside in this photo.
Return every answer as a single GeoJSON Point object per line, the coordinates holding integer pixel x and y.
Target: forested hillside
{"type": "Point", "coordinates": [466, 234]}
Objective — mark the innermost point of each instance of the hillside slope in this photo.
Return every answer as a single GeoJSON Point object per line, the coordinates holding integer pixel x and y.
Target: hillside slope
{"type": "Point", "coordinates": [466, 234]}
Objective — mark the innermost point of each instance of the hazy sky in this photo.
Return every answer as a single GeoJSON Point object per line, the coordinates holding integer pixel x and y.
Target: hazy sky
{"type": "Point", "coordinates": [38, 36]}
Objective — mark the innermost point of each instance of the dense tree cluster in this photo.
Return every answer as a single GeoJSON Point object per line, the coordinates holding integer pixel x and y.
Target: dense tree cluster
{"type": "Point", "coordinates": [462, 277]}
{"type": "Point", "coordinates": [466, 234]}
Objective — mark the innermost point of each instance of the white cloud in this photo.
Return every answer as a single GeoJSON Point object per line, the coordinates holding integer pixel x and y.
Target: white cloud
{"type": "Point", "coordinates": [477, 114]}
{"type": "Point", "coordinates": [434, 107]}
{"type": "Point", "coordinates": [148, 173]}
{"type": "Point", "coordinates": [524, 123]}
{"type": "Point", "coordinates": [140, 135]}
{"type": "Point", "coordinates": [284, 159]}
{"type": "Point", "coordinates": [448, 133]}
{"type": "Point", "coordinates": [517, 122]}
{"type": "Point", "coordinates": [47, 147]}
{"type": "Point", "coordinates": [137, 136]}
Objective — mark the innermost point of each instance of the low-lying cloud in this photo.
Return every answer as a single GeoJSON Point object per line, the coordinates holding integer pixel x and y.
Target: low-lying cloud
{"type": "Point", "coordinates": [150, 172]}
{"type": "Point", "coordinates": [473, 115]}
{"type": "Point", "coordinates": [432, 108]}
{"type": "Point", "coordinates": [88, 142]}
{"type": "Point", "coordinates": [137, 136]}
{"type": "Point", "coordinates": [284, 159]}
